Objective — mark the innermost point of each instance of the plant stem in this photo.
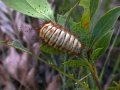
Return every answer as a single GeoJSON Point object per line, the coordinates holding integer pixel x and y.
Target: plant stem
{"type": "Point", "coordinates": [53, 66]}
{"type": "Point", "coordinates": [93, 71]}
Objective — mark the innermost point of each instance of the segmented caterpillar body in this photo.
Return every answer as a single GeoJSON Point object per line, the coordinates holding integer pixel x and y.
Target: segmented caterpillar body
{"type": "Point", "coordinates": [57, 37]}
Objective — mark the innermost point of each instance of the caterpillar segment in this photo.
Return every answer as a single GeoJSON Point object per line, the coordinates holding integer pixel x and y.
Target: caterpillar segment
{"type": "Point", "coordinates": [57, 37]}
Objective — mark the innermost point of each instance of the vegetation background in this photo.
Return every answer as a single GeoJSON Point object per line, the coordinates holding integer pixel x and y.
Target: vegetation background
{"type": "Point", "coordinates": [24, 66]}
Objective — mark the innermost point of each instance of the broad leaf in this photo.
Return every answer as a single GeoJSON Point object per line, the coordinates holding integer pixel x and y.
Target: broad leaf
{"type": "Point", "coordinates": [35, 8]}
{"type": "Point", "coordinates": [96, 53]}
{"type": "Point", "coordinates": [105, 24]}
{"type": "Point", "coordinates": [103, 42]}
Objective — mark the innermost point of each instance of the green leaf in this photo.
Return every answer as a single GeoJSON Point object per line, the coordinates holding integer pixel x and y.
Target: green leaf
{"type": "Point", "coordinates": [103, 42]}
{"type": "Point", "coordinates": [16, 44]}
{"type": "Point", "coordinates": [93, 7]}
{"type": "Point", "coordinates": [96, 53]}
{"type": "Point", "coordinates": [85, 4]}
{"type": "Point", "coordinates": [75, 63]}
{"type": "Point", "coordinates": [35, 8]}
{"type": "Point", "coordinates": [50, 50]}
{"type": "Point", "coordinates": [86, 15]}
{"type": "Point", "coordinates": [105, 24]}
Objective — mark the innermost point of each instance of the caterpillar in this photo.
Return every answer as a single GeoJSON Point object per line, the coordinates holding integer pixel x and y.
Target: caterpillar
{"type": "Point", "coordinates": [57, 37]}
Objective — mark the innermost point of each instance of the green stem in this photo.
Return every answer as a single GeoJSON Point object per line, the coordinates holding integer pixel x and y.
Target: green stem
{"type": "Point", "coordinates": [53, 66]}
{"type": "Point", "coordinates": [93, 71]}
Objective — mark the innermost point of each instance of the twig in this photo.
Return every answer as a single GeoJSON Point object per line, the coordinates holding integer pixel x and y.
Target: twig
{"type": "Point", "coordinates": [93, 71]}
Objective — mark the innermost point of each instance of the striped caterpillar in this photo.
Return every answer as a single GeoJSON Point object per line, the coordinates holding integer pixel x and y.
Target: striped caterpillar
{"type": "Point", "coordinates": [57, 37]}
